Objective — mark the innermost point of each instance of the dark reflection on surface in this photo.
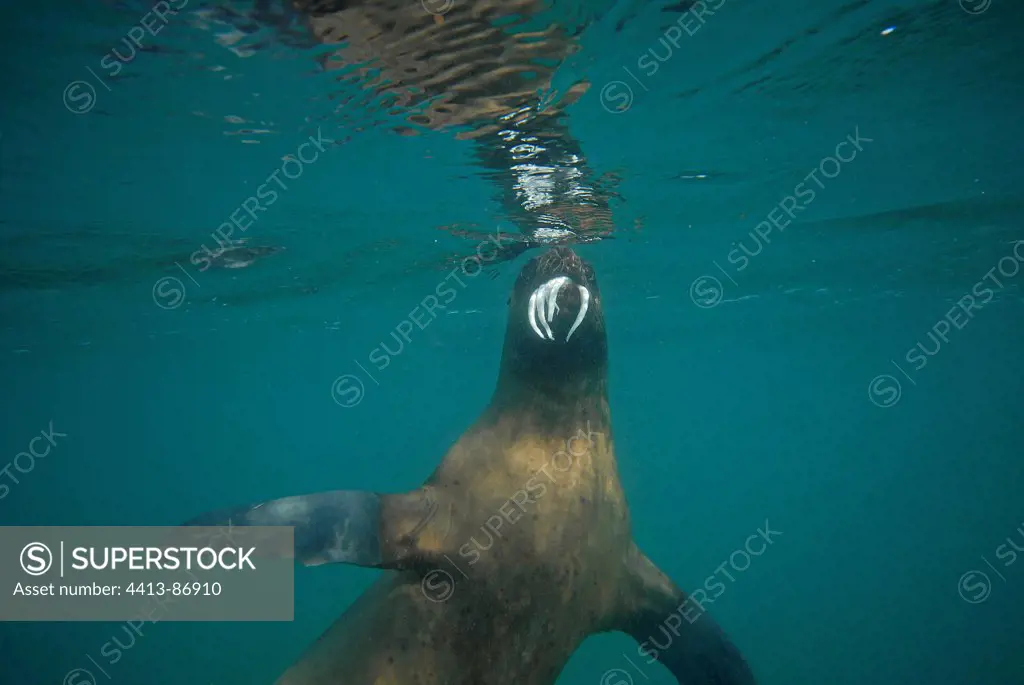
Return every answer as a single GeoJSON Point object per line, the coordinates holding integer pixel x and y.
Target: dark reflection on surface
{"type": "Point", "coordinates": [479, 70]}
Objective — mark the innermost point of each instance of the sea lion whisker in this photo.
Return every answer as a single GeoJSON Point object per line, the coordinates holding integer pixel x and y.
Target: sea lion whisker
{"type": "Point", "coordinates": [544, 303]}
{"type": "Point", "coordinates": [576, 548]}
{"type": "Point", "coordinates": [543, 306]}
{"type": "Point", "coordinates": [533, 314]}
{"type": "Point", "coordinates": [584, 306]}
{"type": "Point", "coordinates": [554, 287]}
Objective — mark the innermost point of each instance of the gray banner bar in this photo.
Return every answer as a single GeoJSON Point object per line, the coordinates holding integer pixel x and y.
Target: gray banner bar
{"type": "Point", "coordinates": [67, 573]}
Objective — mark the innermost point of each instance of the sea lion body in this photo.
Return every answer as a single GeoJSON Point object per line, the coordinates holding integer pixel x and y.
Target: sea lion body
{"type": "Point", "coordinates": [539, 539]}
{"type": "Point", "coordinates": [518, 546]}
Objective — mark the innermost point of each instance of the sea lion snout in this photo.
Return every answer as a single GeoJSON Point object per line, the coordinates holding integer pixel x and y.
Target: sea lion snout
{"type": "Point", "coordinates": [556, 330]}
{"type": "Point", "coordinates": [562, 261]}
{"type": "Point", "coordinates": [557, 295]}
{"type": "Point", "coordinates": [558, 262]}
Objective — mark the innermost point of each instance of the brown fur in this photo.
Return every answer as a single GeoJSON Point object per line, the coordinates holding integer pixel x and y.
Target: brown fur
{"type": "Point", "coordinates": [555, 573]}
{"type": "Point", "coordinates": [518, 547]}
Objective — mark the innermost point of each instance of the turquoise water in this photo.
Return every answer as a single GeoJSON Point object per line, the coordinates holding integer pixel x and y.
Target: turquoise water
{"type": "Point", "coordinates": [788, 388]}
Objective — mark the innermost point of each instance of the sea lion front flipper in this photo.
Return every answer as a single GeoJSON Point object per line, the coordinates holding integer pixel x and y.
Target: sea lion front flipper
{"type": "Point", "coordinates": [345, 526]}
{"type": "Point", "coordinates": [677, 631]}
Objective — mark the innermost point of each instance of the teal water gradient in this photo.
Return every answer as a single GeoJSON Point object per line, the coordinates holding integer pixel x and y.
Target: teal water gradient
{"type": "Point", "coordinates": [755, 409]}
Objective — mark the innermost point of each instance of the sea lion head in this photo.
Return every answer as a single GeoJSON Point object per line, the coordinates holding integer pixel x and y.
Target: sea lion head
{"type": "Point", "coordinates": [556, 330]}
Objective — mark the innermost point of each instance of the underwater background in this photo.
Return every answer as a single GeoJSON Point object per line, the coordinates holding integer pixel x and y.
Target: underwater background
{"type": "Point", "coordinates": [825, 377]}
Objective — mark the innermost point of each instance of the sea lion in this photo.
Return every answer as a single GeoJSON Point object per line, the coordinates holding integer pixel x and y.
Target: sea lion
{"type": "Point", "coordinates": [518, 546]}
